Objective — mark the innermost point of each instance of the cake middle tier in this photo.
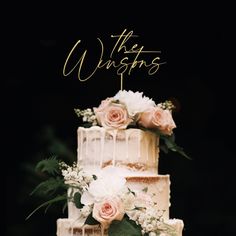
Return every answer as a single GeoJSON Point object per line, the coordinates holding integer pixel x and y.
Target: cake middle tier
{"type": "Point", "coordinates": [156, 187]}
{"type": "Point", "coordinates": [131, 149]}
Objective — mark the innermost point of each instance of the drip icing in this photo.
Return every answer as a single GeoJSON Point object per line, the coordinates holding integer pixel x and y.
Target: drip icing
{"type": "Point", "coordinates": [87, 142]}
{"type": "Point", "coordinates": [63, 228]}
{"type": "Point", "coordinates": [138, 146]}
{"type": "Point", "coordinates": [114, 135]}
{"type": "Point", "coordinates": [102, 230]}
{"type": "Point", "coordinates": [127, 145]}
{"type": "Point", "coordinates": [131, 149]}
{"type": "Point", "coordinates": [102, 142]}
{"type": "Point", "coordinates": [81, 145]}
{"type": "Point", "coordinates": [72, 226]}
{"type": "Point", "coordinates": [147, 150]}
{"type": "Point", "coordinates": [96, 151]}
{"type": "Point", "coordinates": [83, 231]}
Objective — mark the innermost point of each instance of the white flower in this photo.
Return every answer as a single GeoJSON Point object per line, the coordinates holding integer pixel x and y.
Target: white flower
{"type": "Point", "coordinates": [152, 234]}
{"type": "Point", "coordinates": [135, 101]}
{"type": "Point", "coordinates": [85, 211]}
{"type": "Point", "coordinates": [128, 201]}
{"type": "Point", "coordinates": [149, 227]}
{"type": "Point", "coordinates": [134, 215]}
{"type": "Point", "coordinates": [108, 184]}
{"type": "Point", "coordinates": [142, 218]}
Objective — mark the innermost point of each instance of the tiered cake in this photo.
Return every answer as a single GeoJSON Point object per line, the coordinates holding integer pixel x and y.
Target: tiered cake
{"type": "Point", "coordinates": [121, 149]}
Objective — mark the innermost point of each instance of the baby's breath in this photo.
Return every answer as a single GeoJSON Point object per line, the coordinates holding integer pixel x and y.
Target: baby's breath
{"type": "Point", "coordinates": [167, 105]}
{"type": "Point", "coordinates": [88, 115]}
{"type": "Point", "coordinates": [75, 176]}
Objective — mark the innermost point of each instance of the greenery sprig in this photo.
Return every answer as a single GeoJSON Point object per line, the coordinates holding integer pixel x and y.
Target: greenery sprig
{"type": "Point", "coordinates": [53, 186]}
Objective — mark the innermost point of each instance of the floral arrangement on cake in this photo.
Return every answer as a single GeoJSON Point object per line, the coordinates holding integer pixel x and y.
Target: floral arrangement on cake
{"type": "Point", "coordinates": [103, 200]}
{"type": "Point", "coordinates": [128, 109]}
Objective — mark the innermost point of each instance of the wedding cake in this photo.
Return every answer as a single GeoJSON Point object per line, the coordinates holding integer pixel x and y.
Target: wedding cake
{"type": "Point", "coordinates": [114, 187]}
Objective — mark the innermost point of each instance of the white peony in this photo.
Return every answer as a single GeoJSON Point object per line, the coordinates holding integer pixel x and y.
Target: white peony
{"type": "Point", "coordinates": [108, 184]}
{"type": "Point", "coordinates": [135, 101]}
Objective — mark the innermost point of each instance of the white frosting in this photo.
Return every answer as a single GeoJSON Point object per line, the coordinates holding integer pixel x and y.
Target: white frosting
{"type": "Point", "coordinates": [68, 227]}
{"type": "Point", "coordinates": [73, 211]}
{"type": "Point", "coordinates": [131, 149]}
{"type": "Point", "coordinates": [158, 187]}
{"type": "Point", "coordinates": [135, 155]}
{"type": "Point", "coordinates": [177, 224]}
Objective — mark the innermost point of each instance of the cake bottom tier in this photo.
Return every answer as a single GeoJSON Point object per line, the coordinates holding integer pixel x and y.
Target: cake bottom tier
{"type": "Point", "coordinates": [68, 227]}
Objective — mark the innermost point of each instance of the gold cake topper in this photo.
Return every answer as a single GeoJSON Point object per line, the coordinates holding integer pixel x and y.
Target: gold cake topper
{"type": "Point", "coordinates": [131, 58]}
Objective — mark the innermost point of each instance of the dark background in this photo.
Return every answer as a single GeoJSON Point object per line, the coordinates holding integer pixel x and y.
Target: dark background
{"type": "Point", "coordinates": [198, 75]}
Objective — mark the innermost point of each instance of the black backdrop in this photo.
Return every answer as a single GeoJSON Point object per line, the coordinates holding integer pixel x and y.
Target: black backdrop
{"type": "Point", "coordinates": [41, 121]}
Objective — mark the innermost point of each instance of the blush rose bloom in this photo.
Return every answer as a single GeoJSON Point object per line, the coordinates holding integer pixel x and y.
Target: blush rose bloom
{"type": "Point", "coordinates": [112, 115]}
{"type": "Point", "coordinates": [156, 117]}
{"type": "Point", "coordinates": [108, 210]}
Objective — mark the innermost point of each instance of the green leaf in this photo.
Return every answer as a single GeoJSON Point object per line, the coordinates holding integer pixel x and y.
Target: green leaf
{"type": "Point", "coordinates": [50, 165]}
{"type": "Point", "coordinates": [90, 220]}
{"type": "Point", "coordinates": [181, 151]}
{"type": "Point", "coordinates": [48, 203]}
{"type": "Point", "coordinates": [95, 177]}
{"type": "Point", "coordinates": [164, 149]}
{"type": "Point", "coordinates": [87, 125]}
{"type": "Point", "coordinates": [170, 144]}
{"type": "Point", "coordinates": [125, 227]}
{"type": "Point", "coordinates": [64, 207]}
{"type": "Point", "coordinates": [77, 200]}
{"type": "Point", "coordinates": [49, 187]}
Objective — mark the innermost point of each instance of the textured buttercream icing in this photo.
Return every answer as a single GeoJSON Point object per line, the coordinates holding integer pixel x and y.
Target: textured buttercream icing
{"type": "Point", "coordinates": [123, 161]}
{"type": "Point", "coordinates": [70, 227]}
{"type": "Point", "coordinates": [131, 149]}
{"type": "Point", "coordinates": [158, 187]}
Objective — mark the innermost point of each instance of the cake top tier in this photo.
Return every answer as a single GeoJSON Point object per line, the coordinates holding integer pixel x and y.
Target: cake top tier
{"type": "Point", "coordinates": [128, 109]}
{"type": "Point", "coordinates": [133, 151]}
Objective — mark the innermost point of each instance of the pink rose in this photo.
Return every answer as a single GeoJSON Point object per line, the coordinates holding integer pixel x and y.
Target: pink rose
{"type": "Point", "coordinates": [156, 117]}
{"type": "Point", "coordinates": [112, 115]}
{"type": "Point", "coordinates": [108, 210]}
